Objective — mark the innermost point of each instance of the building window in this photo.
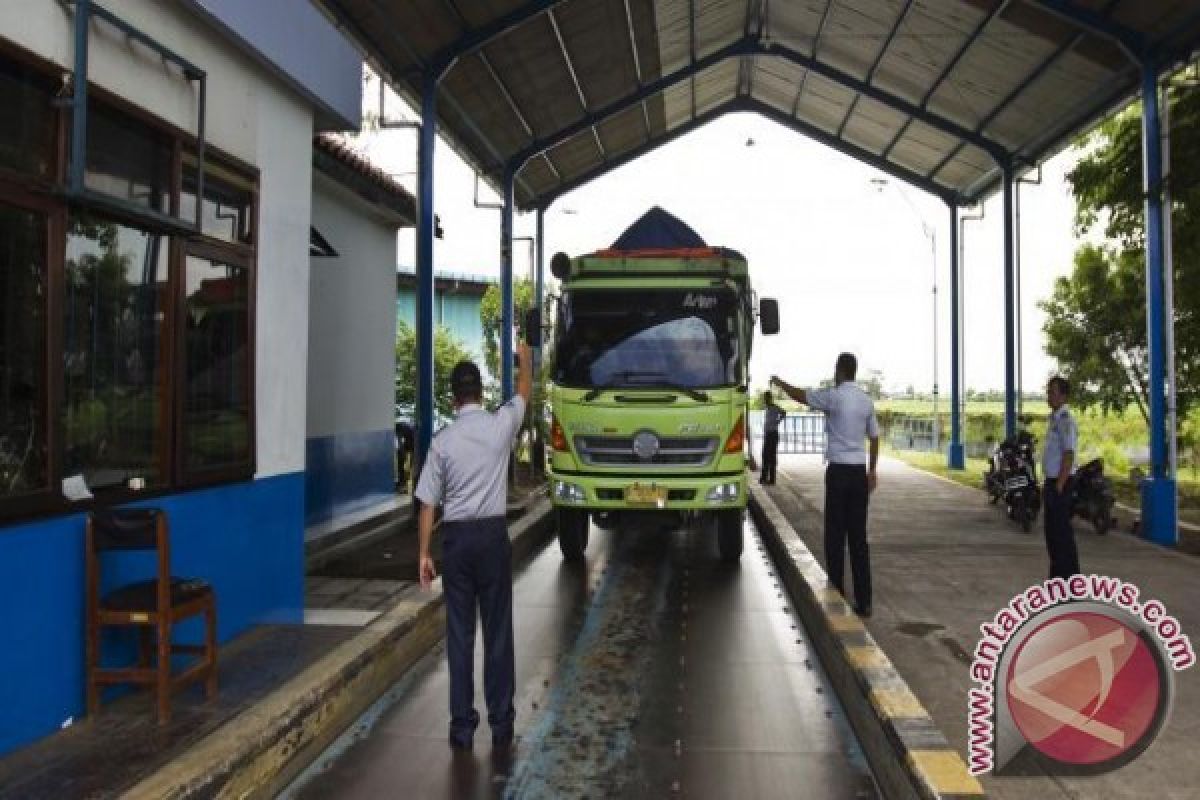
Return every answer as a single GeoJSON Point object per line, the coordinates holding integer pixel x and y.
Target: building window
{"type": "Point", "coordinates": [126, 348]}
{"type": "Point", "coordinates": [217, 371]}
{"type": "Point", "coordinates": [23, 296]}
{"type": "Point", "coordinates": [128, 159]}
{"type": "Point", "coordinates": [228, 210]}
{"type": "Point", "coordinates": [115, 397]}
{"type": "Point", "coordinates": [28, 126]}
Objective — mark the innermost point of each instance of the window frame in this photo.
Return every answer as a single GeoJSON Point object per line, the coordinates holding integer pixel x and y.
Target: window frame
{"type": "Point", "coordinates": [49, 496]}
{"type": "Point", "coordinates": [35, 193]}
{"type": "Point", "coordinates": [243, 258]}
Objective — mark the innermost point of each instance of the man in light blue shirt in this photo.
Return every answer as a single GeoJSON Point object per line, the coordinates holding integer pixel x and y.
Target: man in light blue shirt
{"type": "Point", "coordinates": [1058, 464]}
{"type": "Point", "coordinates": [772, 416]}
{"type": "Point", "coordinates": [850, 476]}
{"type": "Point", "coordinates": [466, 473]}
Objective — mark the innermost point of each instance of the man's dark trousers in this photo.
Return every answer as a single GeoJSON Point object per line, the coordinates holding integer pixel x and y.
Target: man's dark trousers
{"type": "Point", "coordinates": [770, 447]}
{"type": "Point", "coordinates": [1060, 538]}
{"type": "Point", "coordinates": [477, 569]}
{"type": "Point", "coordinates": [846, 522]}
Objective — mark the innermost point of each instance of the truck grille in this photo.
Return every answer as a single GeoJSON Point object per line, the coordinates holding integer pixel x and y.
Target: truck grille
{"type": "Point", "coordinates": [673, 451]}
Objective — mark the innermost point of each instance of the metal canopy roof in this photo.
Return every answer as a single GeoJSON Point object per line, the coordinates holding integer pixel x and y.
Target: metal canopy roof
{"type": "Point", "coordinates": [939, 93]}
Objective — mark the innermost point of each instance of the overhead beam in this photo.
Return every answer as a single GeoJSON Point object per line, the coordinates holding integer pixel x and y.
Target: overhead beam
{"type": "Point", "coordinates": [1132, 42]}
{"type": "Point", "coordinates": [754, 48]}
{"type": "Point", "coordinates": [971, 39]}
{"type": "Point", "coordinates": [637, 64]}
{"type": "Point", "coordinates": [477, 38]}
{"type": "Point", "coordinates": [1033, 77]}
{"type": "Point", "coordinates": [812, 52]}
{"type": "Point", "coordinates": [632, 155]}
{"type": "Point", "coordinates": [887, 42]}
{"type": "Point", "coordinates": [914, 179]}
{"type": "Point", "coordinates": [917, 180]}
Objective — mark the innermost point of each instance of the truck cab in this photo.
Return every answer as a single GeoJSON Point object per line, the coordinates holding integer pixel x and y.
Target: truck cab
{"type": "Point", "coordinates": [648, 384]}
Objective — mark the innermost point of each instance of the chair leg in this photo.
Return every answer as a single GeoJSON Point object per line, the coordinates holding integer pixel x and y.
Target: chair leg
{"type": "Point", "coordinates": [145, 646]}
{"type": "Point", "coordinates": [162, 684]}
{"type": "Point", "coordinates": [93, 663]}
{"type": "Point", "coordinates": [210, 651]}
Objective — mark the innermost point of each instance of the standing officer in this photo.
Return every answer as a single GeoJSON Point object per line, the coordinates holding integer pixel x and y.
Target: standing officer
{"type": "Point", "coordinates": [850, 418]}
{"type": "Point", "coordinates": [772, 416]}
{"type": "Point", "coordinates": [466, 473]}
{"type": "Point", "coordinates": [1058, 462]}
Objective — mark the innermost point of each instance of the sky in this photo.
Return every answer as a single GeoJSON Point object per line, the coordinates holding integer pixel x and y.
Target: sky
{"type": "Point", "coordinates": [847, 259]}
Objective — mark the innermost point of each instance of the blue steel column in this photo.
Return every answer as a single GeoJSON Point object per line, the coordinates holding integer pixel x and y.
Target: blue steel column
{"type": "Point", "coordinates": [1158, 492]}
{"type": "Point", "coordinates": [539, 284]}
{"type": "Point", "coordinates": [1010, 317]}
{"type": "Point", "coordinates": [955, 457]}
{"type": "Point", "coordinates": [506, 288]}
{"type": "Point", "coordinates": [424, 299]}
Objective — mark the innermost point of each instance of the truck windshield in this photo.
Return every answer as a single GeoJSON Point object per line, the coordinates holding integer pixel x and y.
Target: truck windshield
{"type": "Point", "coordinates": [679, 337]}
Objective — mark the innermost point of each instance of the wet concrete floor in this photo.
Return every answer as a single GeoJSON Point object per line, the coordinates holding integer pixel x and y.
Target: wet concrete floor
{"type": "Point", "coordinates": [651, 670]}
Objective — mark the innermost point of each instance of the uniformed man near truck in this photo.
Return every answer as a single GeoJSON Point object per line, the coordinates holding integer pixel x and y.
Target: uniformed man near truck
{"type": "Point", "coordinates": [1058, 464]}
{"type": "Point", "coordinates": [850, 476]}
{"type": "Point", "coordinates": [466, 473]}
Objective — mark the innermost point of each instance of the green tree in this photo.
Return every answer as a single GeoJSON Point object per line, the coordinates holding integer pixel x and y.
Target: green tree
{"type": "Point", "coordinates": [447, 351]}
{"type": "Point", "coordinates": [489, 317]}
{"type": "Point", "coordinates": [1096, 318]}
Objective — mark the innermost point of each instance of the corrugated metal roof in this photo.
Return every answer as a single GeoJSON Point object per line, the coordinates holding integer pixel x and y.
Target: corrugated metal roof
{"type": "Point", "coordinates": [937, 92]}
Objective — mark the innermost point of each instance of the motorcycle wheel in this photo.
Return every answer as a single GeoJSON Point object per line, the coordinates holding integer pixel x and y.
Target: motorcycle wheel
{"type": "Point", "coordinates": [1025, 515]}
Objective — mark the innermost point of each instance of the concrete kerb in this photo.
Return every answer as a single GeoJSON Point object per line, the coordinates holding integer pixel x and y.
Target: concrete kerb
{"type": "Point", "coordinates": [906, 750]}
{"type": "Point", "coordinates": [263, 748]}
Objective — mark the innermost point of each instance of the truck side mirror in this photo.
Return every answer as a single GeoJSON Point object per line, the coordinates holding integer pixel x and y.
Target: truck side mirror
{"type": "Point", "coordinates": [768, 315]}
{"type": "Point", "coordinates": [533, 328]}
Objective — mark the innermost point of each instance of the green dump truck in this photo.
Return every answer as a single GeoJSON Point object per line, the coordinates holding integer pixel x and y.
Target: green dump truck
{"type": "Point", "coordinates": [648, 381]}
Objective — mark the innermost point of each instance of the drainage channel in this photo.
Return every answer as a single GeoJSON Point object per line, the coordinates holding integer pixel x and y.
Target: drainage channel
{"type": "Point", "coordinates": [651, 670]}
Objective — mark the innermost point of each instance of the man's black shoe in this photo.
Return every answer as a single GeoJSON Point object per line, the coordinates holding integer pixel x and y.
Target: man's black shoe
{"type": "Point", "coordinates": [862, 611]}
{"type": "Point", "coordinates": [460, 742]}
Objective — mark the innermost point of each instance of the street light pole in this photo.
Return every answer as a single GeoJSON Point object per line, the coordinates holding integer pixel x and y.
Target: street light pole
{"type": "Point", "coordinates": [930, 232]}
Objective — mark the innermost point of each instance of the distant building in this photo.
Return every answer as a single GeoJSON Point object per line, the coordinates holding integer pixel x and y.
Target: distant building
{"type": "Point", "coordinates": [456, 301]}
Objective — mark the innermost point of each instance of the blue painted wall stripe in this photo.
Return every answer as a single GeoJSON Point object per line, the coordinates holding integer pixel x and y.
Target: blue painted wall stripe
{"type": "Point", "coordinates": [347, 472]}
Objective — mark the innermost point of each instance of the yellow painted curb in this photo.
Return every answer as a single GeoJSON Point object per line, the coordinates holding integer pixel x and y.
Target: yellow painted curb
{"type": "Point", "coordinates": [946, 772]}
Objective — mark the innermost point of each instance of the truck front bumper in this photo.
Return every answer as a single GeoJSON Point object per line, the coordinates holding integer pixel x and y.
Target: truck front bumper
{"type": "Point", "coordinates": [606, 492]}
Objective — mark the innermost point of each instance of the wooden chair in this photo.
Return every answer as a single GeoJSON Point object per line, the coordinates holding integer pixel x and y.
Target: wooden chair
{"type": "Point", "coordinates": [153, 606]}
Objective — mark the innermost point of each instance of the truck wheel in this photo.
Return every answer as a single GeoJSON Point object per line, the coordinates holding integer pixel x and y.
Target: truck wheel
{"type": "Point", "coordinates": [729, 534]}
{"type": "Point", "coordinates": [572, 533]}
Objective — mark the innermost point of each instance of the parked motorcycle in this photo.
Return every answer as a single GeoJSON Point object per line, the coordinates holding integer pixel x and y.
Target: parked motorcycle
{"type": "Point", "coordinates": [1093, 497]}
{"type": "Point", "coordinates": [1012, 477]}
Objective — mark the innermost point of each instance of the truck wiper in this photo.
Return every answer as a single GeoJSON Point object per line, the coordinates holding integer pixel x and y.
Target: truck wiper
{"type": "Point", "coordinates": [658, 383]}
{"type": "Point", "coordinates": [695, 394]}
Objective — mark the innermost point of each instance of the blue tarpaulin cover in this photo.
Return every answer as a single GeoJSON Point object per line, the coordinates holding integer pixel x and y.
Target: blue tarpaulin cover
{"type": "Point", "coordinates": [658, 229]}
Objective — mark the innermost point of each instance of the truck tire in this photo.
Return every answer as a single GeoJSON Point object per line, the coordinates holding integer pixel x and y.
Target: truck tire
{"type": "Point", "coordinates": [729, 534]}
{"type": "Point", "coordinates": [572, 533]}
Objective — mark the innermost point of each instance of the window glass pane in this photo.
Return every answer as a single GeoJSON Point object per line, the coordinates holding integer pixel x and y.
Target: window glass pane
{"type": "Point", "coordinates": [22, 351]}
{"type": "Point", "coordinates": [228, 201]}
{"type": "Point", "coordinates": [27, 131]}
{"type": "Point", "coordinates": [114, 352]}
{"type": "Point", "coordinates": [127, 159]}
{"type": "Point", "coordinates": [216, 389]}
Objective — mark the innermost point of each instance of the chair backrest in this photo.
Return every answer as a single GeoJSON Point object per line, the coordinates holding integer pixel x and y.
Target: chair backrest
{"type": "Point", "coordinates": [125, 529]}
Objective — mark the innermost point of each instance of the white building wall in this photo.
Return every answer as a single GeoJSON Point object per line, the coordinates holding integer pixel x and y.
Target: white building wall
{"type": "Point", "coordinates": [251, 115]}
{"type": "Point", "coordinates": [352, 327]}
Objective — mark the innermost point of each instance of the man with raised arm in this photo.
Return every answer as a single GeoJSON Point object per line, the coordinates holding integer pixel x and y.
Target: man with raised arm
{"type": "Point", "coordinates": [466, 473]}
{"type": "Point", "coordinates": [849, 476]}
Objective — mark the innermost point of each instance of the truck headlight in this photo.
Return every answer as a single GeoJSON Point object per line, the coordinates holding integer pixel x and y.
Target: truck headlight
{"type": "Point", "coordinates": [569, 492]}
{"type": "Point", "coordinates": [722, 493]}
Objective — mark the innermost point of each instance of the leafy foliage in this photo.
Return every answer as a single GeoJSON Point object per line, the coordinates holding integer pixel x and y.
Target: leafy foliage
{"type": "Point", "coordinates": [489, 316]}
{"type": "Point", "coordinates": [447, 351]}
{"type": "Point", "coordinates": [1096, 319]}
